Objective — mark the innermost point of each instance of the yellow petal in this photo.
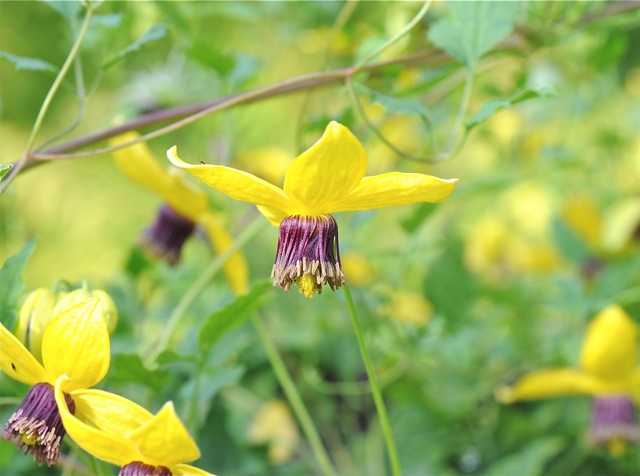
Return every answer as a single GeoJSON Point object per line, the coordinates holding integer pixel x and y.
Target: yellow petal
{"type": "Point", "coordinates": [139, 164]}
{"type": "Point", "coordinates": [235, 267]}
{"type": "Point", "coordinates": [236, 184]}
{"type": "Point", "coordinates": [108, 447]}
{"type": "Point", "coordinates": [186, 470]}
{"type": "Point", "coordinates": [326, 172]}
{"type": "Point", "coordinates": [17, 362]}
{"type": "Point", "coordinates": [76, 344]}
{"type": "Point", "coordinates": [164, 441]}
{"type": "Point", "coordinates": [35, 313]}
{"type": "Point", "coordinates": [610, 346]}
{"type": "Point", "coordinates": [395, 188]}
{"type": "Point", "coordinates": [549, 383]}
{"type": "Point", "coordinates": [109, 412]}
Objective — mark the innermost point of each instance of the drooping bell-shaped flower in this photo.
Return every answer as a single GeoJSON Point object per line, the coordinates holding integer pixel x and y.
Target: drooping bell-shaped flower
{"type": "Point", "coordinates": [329, 177]}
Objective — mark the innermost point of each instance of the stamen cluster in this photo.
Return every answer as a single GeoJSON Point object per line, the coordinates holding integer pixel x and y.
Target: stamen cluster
{"type": "Point", "coordinates": [167, 235]}
{"type": "Point", "coordinates": [613, 417]}
{"type": "Point", "coordinates": [308, 254]}
{"type": "Point", "coordinates": [36, 426]}
{"type": "Point", "coordinates": [138, 468]}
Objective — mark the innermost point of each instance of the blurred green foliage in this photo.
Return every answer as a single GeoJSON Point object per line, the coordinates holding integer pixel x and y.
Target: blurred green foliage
{"type": "Point", "coordinates": [456, 299]}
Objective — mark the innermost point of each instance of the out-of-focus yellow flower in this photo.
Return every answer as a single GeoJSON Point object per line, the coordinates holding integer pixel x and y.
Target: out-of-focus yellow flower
{"type": "Point", "coordinates": [328, 177]}
{"type": "Point", "coordinates": [514, 235]}
{"type": "Point", "coordinates": [75, 347]}
{"type": "Point", "coordinates": [109, 309]}
{"type": "Point", "coordinates": [125, 434]}
{"type": "Point", "coordinates": [358, 268]}
{"type": "Point", "coordinates": [274, 424]}
{"type": "Point", "coordinates": [407, 307]}
{"type": "Point", "coordinates": [269, 163]}
{"type": "Point", "coordinates": [185, 208]}
{"type": "Point", "coordinates": [584, 218]}
{"type": "Point", "coordinates": [608, 371]}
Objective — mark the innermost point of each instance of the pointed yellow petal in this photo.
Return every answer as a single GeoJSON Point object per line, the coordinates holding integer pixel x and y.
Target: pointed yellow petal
{"type": "Point", "coordinates": [76, 344]}
{"type": "Point", "coordinates": [186, 470]}
{"type": "Point", "coordinates": [326, 172]}
{"type": "Point", "coordinates": [17, 362]}
{"type": "Point", "coordinates": [235, 267]}
{"type": "Point", "coordinates": [396, 188]}
{"type": "Point", "coordinates": [237, 184]}
{"type": "Point", "coordinates": [139, 164]}
{"type": "Point", "coordinates": [549, 383]}
{"type": "Point", "coordinates": [105, 446]}
{"type": "Point", "coordinates": [109, 412]}
{"type": "Point", "coordinates": [610, 346]}
{"type": "Point", "coordinates": [164, 441]}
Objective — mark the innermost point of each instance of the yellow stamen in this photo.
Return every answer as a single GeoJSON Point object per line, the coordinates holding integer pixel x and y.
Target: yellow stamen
{"type": "Point", "coordinates": [617, 446]}
{"type": "Point", "coordinates": [28, 439]}
{"type": "Point", "coordinates": [307, 285]}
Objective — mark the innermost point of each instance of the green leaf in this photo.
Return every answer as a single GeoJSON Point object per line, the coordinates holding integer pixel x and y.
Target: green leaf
{"type": "Point", "coordinates": [489, 108]}
{"type": "Point", "coordinates": [571, 245]}
{"type": "Point", "coordinates": [397, 105]}
{"type": "Point", "coordinates": [110, 20]}
{"type": "Point", "coordinates": [449, 286]}
{"type": "Point", "coordinates": [154, 33]}
{"type": "Point", "coordinates": [4, 170]}
{"type": "Point", "coordinates": [29, 64]}
{"type": "Point", "coordinates": [207, 54]}
{"type": "Point", "coordinates": [420, 214]}
{"type": "Point", "coordinates": [473, 29]}
{"type": "Point", "coordinates": [69, 10]}
{"type": "Point", "coordinates": [11, 283]}
{"type": "Point", "coordinates": [129, 368]}
{"type": "Point", "coordinates": [530, 460]}
{"type": "Point", "coordinates": [230, 316]}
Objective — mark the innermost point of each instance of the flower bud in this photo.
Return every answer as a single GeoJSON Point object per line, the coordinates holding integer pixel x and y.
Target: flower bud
{"type": "Point", "coordinates": [66, 300]}
{"type": "Point", "coordinates": [33, 317]}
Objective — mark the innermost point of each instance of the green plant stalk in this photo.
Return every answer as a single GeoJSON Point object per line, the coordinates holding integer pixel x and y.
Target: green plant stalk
{"type": "Point", "coordinates": [464, 104]}
{"type": "Point", "coordinates": [53, 90]}
{"type": "Point", "coordinates": [290, 390]}
{"type": "Point", "coordinates": [407, 28]}
{"type": "Point", "coordinates": [198, 286]}
{"type": "Point", "coordinates": [375, 388]}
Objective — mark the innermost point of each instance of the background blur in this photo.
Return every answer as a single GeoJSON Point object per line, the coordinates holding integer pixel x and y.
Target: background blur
{"type": "Point", "coordinates": [456, 298]}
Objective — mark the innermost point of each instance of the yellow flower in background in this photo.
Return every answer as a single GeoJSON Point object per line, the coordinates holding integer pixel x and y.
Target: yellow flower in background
{"type": "Point", "coordinates": [329, 177]}
{"type": "Point", "coordinates": [185, 208]}
{"type": "Point", "coordinates": [125, 434]}
{"type": "Point", "coordinates": [269, 163]}
{"type": "Point", "coordinates": [608, 371]}
{"type": "Point", "coordinates": [274, 424]}
{"type": "Point", "coordinates": [407, 307]}
{"type": "Point", "coordinates": [75, 346]}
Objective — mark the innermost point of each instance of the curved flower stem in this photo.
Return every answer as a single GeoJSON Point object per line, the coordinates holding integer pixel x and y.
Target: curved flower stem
{"type": "Point", "coordinates": [375, 388]}
{"type": "Point", "coordinates": [290, 390]}
{"type": "Point", "coordinates": [464, 104]}
{"type": "Point", "coordinates": [198, 286]}
{"type": "Point", "coordinates": [407, 28]}
{"type": "Point", "coordinates": [50, 95]}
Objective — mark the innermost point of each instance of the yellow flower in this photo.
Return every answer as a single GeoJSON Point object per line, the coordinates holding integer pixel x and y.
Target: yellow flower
{"type": "Point", "coordinates": [274, 424]}
{"type": "Point", "coordinates": [33, 317]}
{"type": "Point", "coordinates": [123, 433]}
{"type": "Point", "coordinates": [185, 207]}
{"type": "Point", "coordinates": [329, 177]}
{"type": "Point", "coordinates": [609, 372]}
{"type": "Point", "coordinates": [75, 345]}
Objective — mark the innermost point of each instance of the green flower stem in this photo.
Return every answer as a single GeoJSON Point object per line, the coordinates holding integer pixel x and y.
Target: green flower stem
{"type": "Point", "coordinates": [289, 387]}
{"type": "Point", "coordinates": [44, 108]}
{"type": "Point", "coordinates": [464, 104]}
{"type": "Point", "coordinates": [198, 286]}
{"type": "Point", "coordinates": [407, 28]}
{"type": "Point", "coordinates": [375, 388]}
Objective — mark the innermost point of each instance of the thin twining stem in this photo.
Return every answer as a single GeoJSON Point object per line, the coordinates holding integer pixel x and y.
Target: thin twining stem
{"type": "Point", "coordinates": [293, 396]}
{"type": "Point", "coordinates": [375, 387]}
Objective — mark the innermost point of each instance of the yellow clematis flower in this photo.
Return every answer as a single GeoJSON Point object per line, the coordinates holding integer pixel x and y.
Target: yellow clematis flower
{"type": "Point", "coordinates": [185, 208]}
{"type": "Point", "coordinates": [609, 372]}
{"type": "Point", "coordinates": [75, 345]}
{"type": "Point", "coordinates": [329, 177]}
{"type": "Point", "coordinates": [125, 434]}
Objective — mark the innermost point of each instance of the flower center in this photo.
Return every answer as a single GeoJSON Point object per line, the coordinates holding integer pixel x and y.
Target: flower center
{"type": "Point", "coordinates": [308, 254]}
{"type": "Point", "coordinates": [36, 426]}
{"type": "Point", "coordinates": [613, 422]}
{"type": "Point", "coordinates": [167, 235]}
{"type": "Point", "coordinates": [138, 468]}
